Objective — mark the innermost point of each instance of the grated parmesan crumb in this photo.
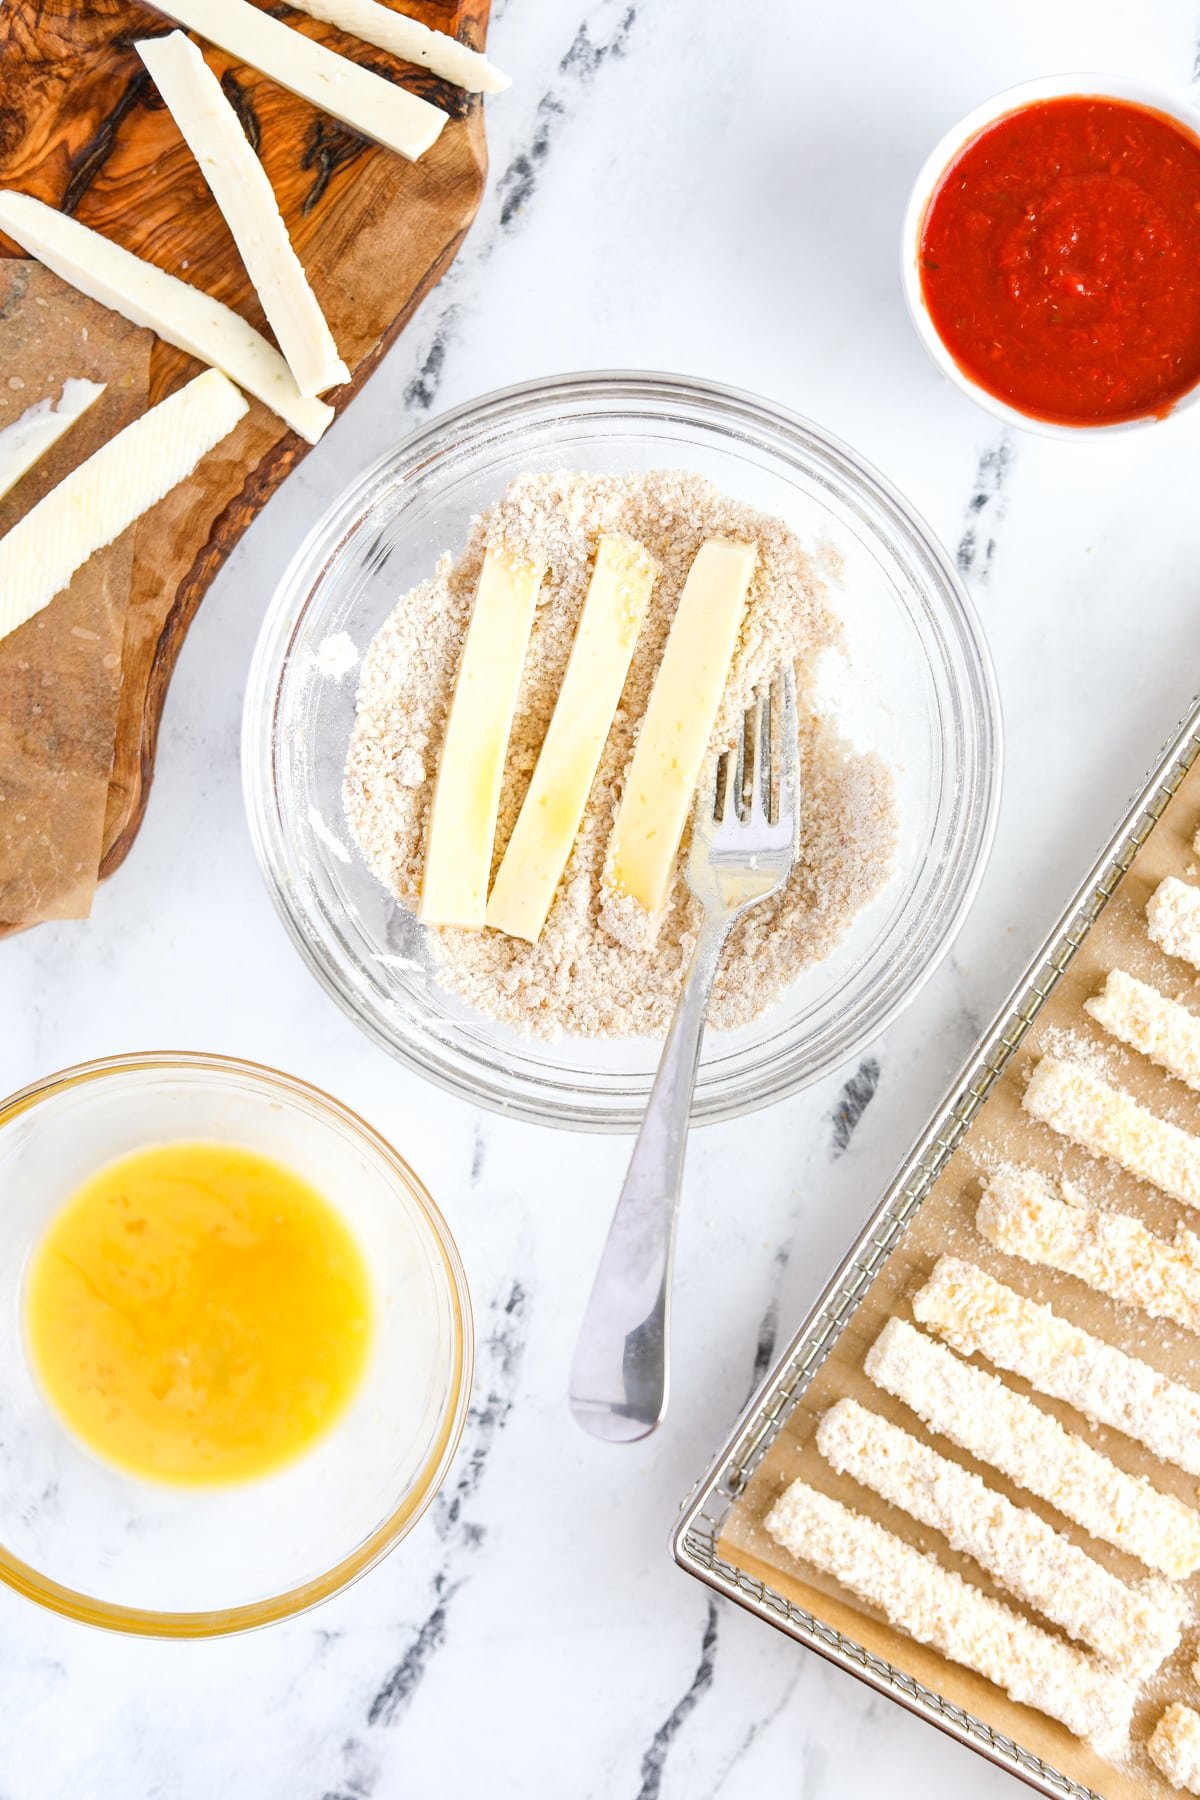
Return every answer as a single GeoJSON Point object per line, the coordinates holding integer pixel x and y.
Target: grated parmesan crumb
{"type": "Point", "coordinates": [1020, 1551]}
{"type": "Point", "coordinates": [1173, 919]}
{"type": "Point", "coordinates": [597, 970]}
{"type": "Point", "coordinates": [979, 1316]}
{"type": "Point", "coordinates": [989, 1421]}
{"type": "Point", "coordinates": [1174, 1747]}
{"type": "Point", "coordinates": [1107, 1122]}
{"type": "Point", "coordinates": [937, 1607]}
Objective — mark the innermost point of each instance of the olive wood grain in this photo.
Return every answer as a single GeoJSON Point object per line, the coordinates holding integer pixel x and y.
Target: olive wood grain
{"type": "Point", "coordinates": [82, 128]}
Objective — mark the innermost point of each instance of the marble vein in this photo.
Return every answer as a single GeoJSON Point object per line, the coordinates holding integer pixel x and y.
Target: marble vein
{"type": "Point", "coordinates": [853, 1102]}
{"type": "Point", "coordinates": [654, 1761]}
{"type": "Point", "coordinates": [985, 510]}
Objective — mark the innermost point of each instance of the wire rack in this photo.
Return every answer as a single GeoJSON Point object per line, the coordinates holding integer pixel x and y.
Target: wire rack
{"type": "Point", "coordinates": [695, 1538]}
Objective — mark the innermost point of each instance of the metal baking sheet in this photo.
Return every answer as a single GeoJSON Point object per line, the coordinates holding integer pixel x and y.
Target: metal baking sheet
{"type": "Point", "coordinates": [697, 1540]}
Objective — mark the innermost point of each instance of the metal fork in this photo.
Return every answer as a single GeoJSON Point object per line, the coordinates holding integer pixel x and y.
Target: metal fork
{"type": "Point", "coordinates": [744, 840]}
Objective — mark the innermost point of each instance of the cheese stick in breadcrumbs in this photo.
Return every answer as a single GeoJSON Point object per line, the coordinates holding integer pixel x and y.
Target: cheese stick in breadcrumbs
{"type": "Point", "coordinates": [980, 1316]}
{"type": "Point", "coordinates": [1130, 1630]}
{"type": "Point", "coordinates": [1106, 1121]}
{"type": "Point", "coordinates": [1147, 1021]}
{"type": "Point", "coordinates": [1173, 919]}
{"type": "Point", "coordinates": [978, 1413]}
{"type": "Point", "coordinates": [937, 1607]}
{"type": "Point", "coordinates": [1175, 1747]}
{"type": "Point", "coordinates": [1112, 1252]}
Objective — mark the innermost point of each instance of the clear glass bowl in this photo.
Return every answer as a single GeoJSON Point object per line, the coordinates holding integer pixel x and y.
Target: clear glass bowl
{"type": "Point", "coordinates": [923, 690]}
{"type": "Point", "coordinates": [86, 1539]}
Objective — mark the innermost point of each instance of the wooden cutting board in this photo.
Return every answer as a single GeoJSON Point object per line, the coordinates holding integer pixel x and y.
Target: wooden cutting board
{"type": "Point", "coordinates": [81, 127]}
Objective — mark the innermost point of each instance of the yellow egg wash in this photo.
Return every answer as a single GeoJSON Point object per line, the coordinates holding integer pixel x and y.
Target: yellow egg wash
{"type": "Point", "coordinates": [198, 1313]}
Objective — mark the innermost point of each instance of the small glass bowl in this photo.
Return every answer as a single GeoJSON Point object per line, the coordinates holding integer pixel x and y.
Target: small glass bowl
{"type": "Point", "coordinates": [923, 692]}
{"type": "Point", "coordinates": [90, 1541]}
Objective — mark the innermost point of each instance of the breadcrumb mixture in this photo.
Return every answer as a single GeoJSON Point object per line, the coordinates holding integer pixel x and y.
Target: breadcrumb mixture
{"type": "Point", "coordinates": [597, 972]}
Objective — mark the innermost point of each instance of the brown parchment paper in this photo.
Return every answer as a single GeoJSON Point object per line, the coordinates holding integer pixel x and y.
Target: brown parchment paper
{"type": "Point", "coordinates": [60, 672]}
{"type": "Point", "coordinates": [945, 1223]}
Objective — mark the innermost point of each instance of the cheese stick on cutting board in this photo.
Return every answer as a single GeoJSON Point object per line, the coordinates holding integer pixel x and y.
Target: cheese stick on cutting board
{"type": "Point", "coordinates": [615, 605]}
{"type": "Point", "coordinates": [97, 501]}
{"type": "Point", "coordinates": [366, 102]}
{"type": "Point", "coordinates": [213, 133]}
{"type": "Point", "coordinates": [27, 439]}
{"type": "Point", "coordinates": [191, 320]}
{"type": "Point", "coordinates": [411, 41]}
{"type": "Point", "coordinates": [466, 798]}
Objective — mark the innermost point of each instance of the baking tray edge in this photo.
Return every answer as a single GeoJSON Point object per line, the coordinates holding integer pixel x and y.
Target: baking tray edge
{"type": "Point", "coordinates": [703, 1514]}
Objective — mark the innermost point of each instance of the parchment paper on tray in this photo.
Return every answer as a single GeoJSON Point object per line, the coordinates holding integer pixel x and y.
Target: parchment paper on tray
{"type": "Point", "coordinates": [1001, 1131]}
{"type": "Point", "coordinates": [60, 673]}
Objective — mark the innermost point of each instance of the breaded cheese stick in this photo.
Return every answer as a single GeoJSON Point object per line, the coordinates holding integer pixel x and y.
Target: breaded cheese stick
{"type": "Point", "coordinates": [978, 1413]}
{"type": "Point", "coordinates": [1173, 919]}
{"type": "Point", "coordinates": [1021, 1214]}
{"type": "Point", "coordinates": [1174, 1747]}
{"type": "Point", "coordinates": [1108, 1122]}
{"type": "Point", "coordinates": [937, 1607]}
{"type": "Point", "coordinates": [1130, 1630]}
{"type": "Point", "coordinates": [980, 1316]}
{"type": "Point", "coordinates": [1147, 1021]}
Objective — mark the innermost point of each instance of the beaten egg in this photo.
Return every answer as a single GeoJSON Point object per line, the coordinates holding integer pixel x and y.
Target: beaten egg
{"type": "Point", "coordinates": [198, 1313]}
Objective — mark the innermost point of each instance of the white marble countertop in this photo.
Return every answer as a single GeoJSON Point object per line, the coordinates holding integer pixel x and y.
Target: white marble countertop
{"type": "Point", "coordinates": [670, 190]}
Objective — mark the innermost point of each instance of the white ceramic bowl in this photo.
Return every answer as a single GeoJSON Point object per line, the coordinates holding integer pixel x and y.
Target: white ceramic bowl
{"type": "Point", "coordinates": [1046, 87]}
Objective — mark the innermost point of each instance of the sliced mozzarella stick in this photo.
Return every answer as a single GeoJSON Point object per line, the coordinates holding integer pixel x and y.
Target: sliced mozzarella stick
{"type": "Point", "coordinates": [1173, 919]}
{"type": "Point", "coordinates": [978, 1413]}
{"type": "Point", "coordinates": [213, 133]}
{"type": "Point", "coordinates": [97, 501]}
{"type": "Point", "coordinates": [186, 317]}
{"type": "Point", "coordinates": [937, 1607]}
{"type": "Point", "coordinates": [1108, 1122]}
{"type": "Point", "coordinates": [411, 41]}
{"type": "Point", "coordinates": [466, 795]}
{"type": "Point", "coordinates": [1174, 1747]}
{"type": "Point", "coordinates": [1021, 1214]}
{"type": "Point", "coordinates": [1130, 1630]}
{"type": "Point", "coordinates": [684, 702]}
{"type": "Point", "coordinates": [981, 1317]}
{"type": "Point", "coordinates": [536, 854]}
{"type": "Point", "coordinates": [366, 102]}
{"type": "Point", "coordinates": [1147, 1021]}
{"type": "Point", "coordinates": [27, 439]}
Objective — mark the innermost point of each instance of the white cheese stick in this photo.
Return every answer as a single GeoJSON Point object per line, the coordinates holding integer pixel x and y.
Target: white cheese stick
{"type": "Point", "coordinates": [937, 1607]}
{"type": "Point", "coordinates": [1112, 1252]}
{"type": "Point", "coordinates": [544, 834]}
{"type": "Point", "coordinates": [993, 1424]}
{"type": "Point", "coordinates": [1108, 1122]}
{"type": "Point", "coordinates": [466, 795]}
{"type": "Point", "coordinates": [981, 1317]}
{"type": "Point", "coordinates": [97, 501]}
{"type": "Point", "coordinates": [684, 702]}
{"type": "Point", "coordinates": [1174, 1747]}
{"type": "Point", "coordinates": [366, 102]}
{"type": "Point", "coordinates": [191, 320]}
{"type": "Point", "coordinates": [27, 439]}
{"type": "Point", "coordinates": [1131, 1630]}
{"type": "Point", "coordinates": [411, 41]}
{"type": "Point", "coordinates": [213, 133]}
{"type": "Point", "coordinates": [1173, 919]}
{"type": "Point", "coordinates": [1147, 1021]}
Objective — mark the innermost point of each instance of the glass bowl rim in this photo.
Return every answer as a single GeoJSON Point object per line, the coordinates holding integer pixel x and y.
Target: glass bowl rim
{"type": "Point", "coordinates": [347, 514]}
{"type": "Point", "coordinates": [140, 1621]}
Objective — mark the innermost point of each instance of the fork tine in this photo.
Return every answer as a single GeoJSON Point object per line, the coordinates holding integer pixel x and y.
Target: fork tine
{"type": "Point", "coordinates": [760, 773]}
{"type": "Point", "coordinates": [789, 755]}
{"type": "Point", "coordinates": [714, 796]}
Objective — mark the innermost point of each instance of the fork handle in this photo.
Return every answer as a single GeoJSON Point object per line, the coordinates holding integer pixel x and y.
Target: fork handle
{"type": "Point", "coordinates": [620, 1374]}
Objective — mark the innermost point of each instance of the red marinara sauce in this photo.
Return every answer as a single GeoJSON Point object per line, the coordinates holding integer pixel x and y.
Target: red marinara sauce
{"type": "Point", "coordinates": [1060, 260]}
